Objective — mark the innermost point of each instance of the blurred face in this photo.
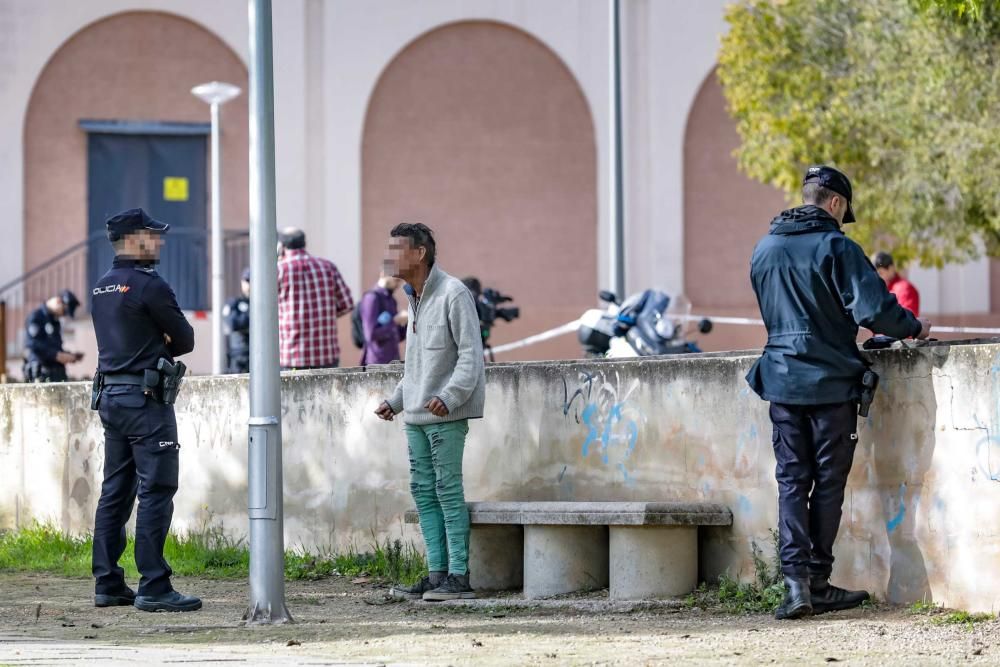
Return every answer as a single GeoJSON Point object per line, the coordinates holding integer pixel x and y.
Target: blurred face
{"type": "Point", "coordinates": [56, 306]}
{"type": "Point", "coordinates": [143, 246]}
{"type": "Point", "coordinates": [887, 273]}
{"type": "Point", "coordinates": [402, 259]}
{"type": "Point", "coordinates": [245, 286]}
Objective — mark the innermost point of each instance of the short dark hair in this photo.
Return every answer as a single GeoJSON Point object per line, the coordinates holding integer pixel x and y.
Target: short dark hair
{"type": "Point", "coordinates": [883, 260]}
{"type": "Point", "coordinates": [292, 238]}
{"type": "Point", "coordinates": [816, 194]}
{"type": "Point", "coordinates": [419, 235]}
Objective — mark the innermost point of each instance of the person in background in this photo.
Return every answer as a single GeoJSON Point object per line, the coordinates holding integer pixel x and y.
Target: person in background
{"type": "Point", "coordinates": [906, 294]}
{"type": "Point", "coordinates": [312, 295]}
{"type": "Point", "coordinates": [383, 327]}
{"type": "Point", "coordinates": [46, 360]}
{"type": "Point", "coordinates": [236, 315]}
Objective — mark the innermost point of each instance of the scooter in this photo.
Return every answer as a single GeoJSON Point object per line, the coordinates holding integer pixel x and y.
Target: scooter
{"type": "Point", "coordinates": [645, 324]}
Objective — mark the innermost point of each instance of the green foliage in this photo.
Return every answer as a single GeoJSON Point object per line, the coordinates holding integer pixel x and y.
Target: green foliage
{"type": "Point", "coordinates": [964, 618]}
{"type": "Point", "coordinates": [899, 94]}
{"type": "Point", "coordinates": [762, 595]}
{"type": "Point", "coordinates": [209, 553]}
{"type": "Point", "coordinates": [923, 607]}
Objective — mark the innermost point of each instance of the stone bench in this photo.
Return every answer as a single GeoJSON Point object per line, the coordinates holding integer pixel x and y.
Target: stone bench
{"type": "Point", "coordinates": [639, 550]}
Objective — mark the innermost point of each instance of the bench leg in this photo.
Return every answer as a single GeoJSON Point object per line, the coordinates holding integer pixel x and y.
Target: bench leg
{"type": "Point", "coordinates": [496, 557]}
{"type": "Point", "coordinates": [649, 562]}
{"type": "Point", "coordinates": [564, 559]}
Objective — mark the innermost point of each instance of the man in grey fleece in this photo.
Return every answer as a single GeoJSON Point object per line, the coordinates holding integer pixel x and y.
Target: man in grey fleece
{"type": "Point", "coordinates": [443, 387]}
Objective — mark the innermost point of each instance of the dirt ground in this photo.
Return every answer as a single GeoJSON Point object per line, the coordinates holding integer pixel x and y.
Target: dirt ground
{"type": "Point", "coordinates": [50, 620]}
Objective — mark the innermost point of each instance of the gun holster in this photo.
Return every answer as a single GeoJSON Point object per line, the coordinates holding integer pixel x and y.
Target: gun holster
{"type": "Point", "coordinates": [169, 376]}
{"type": "Point", "coordinates": [869, 383]}
{"type": "Point", "coordinates": [96, 389]}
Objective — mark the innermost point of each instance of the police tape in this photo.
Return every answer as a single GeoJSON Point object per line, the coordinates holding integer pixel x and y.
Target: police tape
{"type": "Point", "coordinates": [570, 327]}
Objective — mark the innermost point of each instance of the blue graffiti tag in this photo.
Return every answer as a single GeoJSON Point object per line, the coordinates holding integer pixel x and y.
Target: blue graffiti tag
{"type": "Point", "coordinates": [611, 420]}
{"type": "Point", "coordinates": [894, 522]}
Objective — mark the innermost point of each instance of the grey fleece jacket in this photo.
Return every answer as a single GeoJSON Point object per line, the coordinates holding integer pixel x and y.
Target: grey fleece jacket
{"type": "Point", "coordinates": [444, 354]}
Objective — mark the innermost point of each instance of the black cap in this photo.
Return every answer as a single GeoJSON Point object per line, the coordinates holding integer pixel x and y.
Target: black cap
{"type": "Point", "coordinates": [246, 275]}
{"type": "Point", "coordinates": [835, 180]}
{"type": "Point", "coordinates": [883, 260]}
{"type": "Point", "coordinates": [133, 220]}
{"type": "Point", "coordinates": [70, 301]}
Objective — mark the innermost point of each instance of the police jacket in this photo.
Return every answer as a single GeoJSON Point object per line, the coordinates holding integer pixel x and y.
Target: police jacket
{"type": "Point", "coordinates": [133, 307]}
{"type": "Point", "coordinates": [237, 318]}
{"type": "Point", "coordinates": [815, 287]}
{"type": "Point", "coordinates": [44, 338]}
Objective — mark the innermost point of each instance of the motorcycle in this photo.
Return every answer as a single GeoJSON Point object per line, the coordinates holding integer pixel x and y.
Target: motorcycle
{"type": "Point", "coordinates": [645, 324]}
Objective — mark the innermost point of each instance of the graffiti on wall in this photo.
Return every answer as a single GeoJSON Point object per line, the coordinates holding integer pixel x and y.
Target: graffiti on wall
{"type": "Point", "coordinates": [610, 420]}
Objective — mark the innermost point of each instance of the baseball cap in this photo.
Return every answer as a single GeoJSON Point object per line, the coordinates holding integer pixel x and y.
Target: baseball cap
{"type": "Point", "coordinates": [133, 220]}
{"type": "Point", "coordinates": [835, 180]}
{"type": "Point", "coordinates": [245, 276]}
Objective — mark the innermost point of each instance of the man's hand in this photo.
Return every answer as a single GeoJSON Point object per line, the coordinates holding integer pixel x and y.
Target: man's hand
{"type": "Point", "coordinates": [401, 319]}
{"type": "Point", "coordinates": [65, 357]}
{"type": "Point", "coordinates": [437, 407]}
{"type": "Point", "coordinates": [925, 329]}
{"type": "Point", "coordinates": [385, 412]}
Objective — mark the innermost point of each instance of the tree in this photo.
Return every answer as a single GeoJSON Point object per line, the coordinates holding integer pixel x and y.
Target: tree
{"type": "Point", "coordinates": [900, 94]}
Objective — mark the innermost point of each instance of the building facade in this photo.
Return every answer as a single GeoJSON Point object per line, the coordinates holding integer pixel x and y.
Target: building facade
{"type": "Point", "coordinates": [489, 120]}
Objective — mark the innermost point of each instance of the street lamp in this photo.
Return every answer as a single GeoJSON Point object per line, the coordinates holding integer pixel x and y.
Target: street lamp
{"type": "Point", "coordinates": [216, 94]}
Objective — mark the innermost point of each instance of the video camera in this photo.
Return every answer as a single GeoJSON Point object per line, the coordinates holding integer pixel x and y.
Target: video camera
{"type": "Point", "coordinates": [488, 307]}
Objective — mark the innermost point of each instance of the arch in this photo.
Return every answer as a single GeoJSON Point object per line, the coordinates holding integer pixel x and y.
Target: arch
{"type": "Point", "coordinates": [725, 212]}
{"type": "Point", "coordinates": [135, 65]}
{"type": "Point", "coordinates": [479, 130]}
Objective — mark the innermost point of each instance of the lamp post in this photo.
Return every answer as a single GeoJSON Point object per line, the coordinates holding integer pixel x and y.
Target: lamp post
{"type": "Point", "coordinates": [216, 94]}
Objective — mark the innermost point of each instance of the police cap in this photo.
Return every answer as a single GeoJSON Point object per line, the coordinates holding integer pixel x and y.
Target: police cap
{"type": "Point", "coordinates": [70, 301]}
{"type": "Point", "coordinates": [835, 180]}
{"type": "Point", "coordinates": [133, 220]}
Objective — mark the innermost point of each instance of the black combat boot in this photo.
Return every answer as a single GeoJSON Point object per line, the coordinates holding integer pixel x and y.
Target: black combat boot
{"type": "Point", "coordinates": [798, 602]}
{"type": "Point", "coordinates": [826, 597]}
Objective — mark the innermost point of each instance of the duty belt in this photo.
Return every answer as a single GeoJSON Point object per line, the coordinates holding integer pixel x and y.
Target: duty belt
{"type": "Point", "coordinates": [123, 378]}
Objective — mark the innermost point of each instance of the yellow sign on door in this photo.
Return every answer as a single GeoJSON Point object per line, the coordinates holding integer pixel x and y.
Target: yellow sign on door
{"type": "Point", "coordinates": [175, 188]}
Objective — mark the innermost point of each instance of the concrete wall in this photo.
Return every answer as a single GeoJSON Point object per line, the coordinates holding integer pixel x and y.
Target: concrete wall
{"type": "Point", "coordinates": [920, 516]}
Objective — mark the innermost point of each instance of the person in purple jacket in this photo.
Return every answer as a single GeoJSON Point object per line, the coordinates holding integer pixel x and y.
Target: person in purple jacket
{"type": "Point", "coordinates": [384, 327]}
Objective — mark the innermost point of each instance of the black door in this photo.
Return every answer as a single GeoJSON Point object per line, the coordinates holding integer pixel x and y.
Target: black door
{"type": "Point", "coordinates": [160, 167]}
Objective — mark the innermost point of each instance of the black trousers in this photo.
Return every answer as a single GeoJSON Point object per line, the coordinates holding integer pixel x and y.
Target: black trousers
{"type": "Point", "coordinates": [140, 459]}
{"type": "Point", "coordinates": [814, 449]}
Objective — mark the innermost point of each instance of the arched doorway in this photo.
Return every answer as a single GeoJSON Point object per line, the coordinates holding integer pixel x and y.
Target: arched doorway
{"type": "Point", "coordinates": [480, 131]}
{"type": "Point", "coordinates": [134, 66]}
{"type": "Point", "coordinates": [725, 214]}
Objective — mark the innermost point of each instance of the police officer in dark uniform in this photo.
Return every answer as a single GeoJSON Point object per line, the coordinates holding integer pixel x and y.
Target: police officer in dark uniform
{"type": "Point", "coordinates": [237, 318]}
{"type": "Point", "coordinates": [815, 287]}
{"type": "Point", "coordinates": [140, 329]}
{"type": "Point", "coordinates": [46, 360]}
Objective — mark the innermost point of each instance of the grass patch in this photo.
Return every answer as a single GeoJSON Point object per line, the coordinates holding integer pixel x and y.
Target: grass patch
{"type": "Point", "coordinates": [762, 595]}
{"type": "Point", "coordinates": [209, 553]}
{"type": "Point", "coordinates": [964, 618]}
{"type": "Point", "coordinates": [923, 607]}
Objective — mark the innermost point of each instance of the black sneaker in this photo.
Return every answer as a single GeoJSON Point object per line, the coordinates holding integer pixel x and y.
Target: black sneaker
{"type": "Point", "coordinates": [826, 597]}
{"type": "Point", "coordinates": [172, 601]}
{"type": "Point", "coordinates": [414, 592]}
{"type": "Point", "coordinates": [125, 598]}
{"type": "Point", "coordinates": [454, 587]}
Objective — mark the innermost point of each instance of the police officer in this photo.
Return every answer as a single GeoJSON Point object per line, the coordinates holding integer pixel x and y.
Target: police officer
{"type": "Point", "coordinates": [137, 322]}
{"type": "Point", "coordinates": [46, 360]}
{"type": "Point", "coordinates": [237, 318]}
{"type": "Point", "coordinates": [815, 287]}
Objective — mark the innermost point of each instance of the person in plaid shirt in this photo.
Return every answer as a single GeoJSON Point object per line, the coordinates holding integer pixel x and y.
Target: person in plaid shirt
{"type": "Point", "coordinates": [311, 296]}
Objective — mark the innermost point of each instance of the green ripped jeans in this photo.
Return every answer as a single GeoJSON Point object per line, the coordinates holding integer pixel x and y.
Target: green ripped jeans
{"type": "Point", "coordinates": [436, 483]}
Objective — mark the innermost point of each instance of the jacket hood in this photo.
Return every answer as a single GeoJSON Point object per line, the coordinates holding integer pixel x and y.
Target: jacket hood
{"type": "Point", "coordinates": [804, 220]}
